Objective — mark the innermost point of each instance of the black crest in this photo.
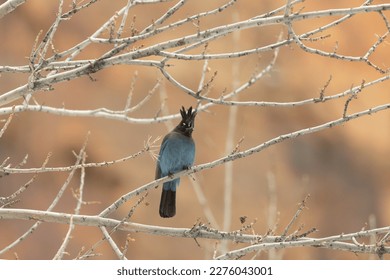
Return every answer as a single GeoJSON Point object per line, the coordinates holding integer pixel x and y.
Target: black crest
{"type": "Point", "coordinates": [186, 125]}
{"type": "Point", "coordinates": [187, 116]}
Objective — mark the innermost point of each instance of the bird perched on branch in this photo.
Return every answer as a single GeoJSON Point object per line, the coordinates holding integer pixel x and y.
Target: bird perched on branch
{"type": "Point", "coordinates": [177, 153]}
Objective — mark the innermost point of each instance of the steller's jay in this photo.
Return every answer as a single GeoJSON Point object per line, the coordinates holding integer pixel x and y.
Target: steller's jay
{"type": "Point", "coordinates": [177, 153]}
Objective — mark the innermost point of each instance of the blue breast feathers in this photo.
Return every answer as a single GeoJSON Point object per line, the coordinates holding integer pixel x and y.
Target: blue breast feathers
{"type": "Point", "coordinates": [177, 153]}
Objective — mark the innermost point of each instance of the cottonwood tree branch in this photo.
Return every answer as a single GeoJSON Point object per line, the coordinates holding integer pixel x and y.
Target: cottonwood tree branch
{"type": "Point", "coordinates": [113, 57]}
{"type": "Point", "coordinates": [265, 242]}
{"type": "Point", "coordinates": [125, 45]}
{"type": "Point", "coordinates": [224, 100]}
{"type": "Point", "coordinates": [79, 196]}
{"type": "Point", "coordinates": [52, 205]}
{"type": "Point", "coordinates": [8, 6]}
{"type": "Point", "coordinates": [121, 116]}
{"type": "Point", "coordinates": [149, 146]}
{"type": "Point", "coordinates": [238, 155]}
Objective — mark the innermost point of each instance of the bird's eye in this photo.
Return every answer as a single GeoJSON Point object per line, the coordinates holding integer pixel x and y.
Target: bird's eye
{"type": "Point", "coordinates": [184, 124]}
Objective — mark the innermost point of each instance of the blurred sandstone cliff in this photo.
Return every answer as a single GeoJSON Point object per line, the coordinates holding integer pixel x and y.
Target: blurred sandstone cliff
{"type": "Point", "coordinates": [344, 169]}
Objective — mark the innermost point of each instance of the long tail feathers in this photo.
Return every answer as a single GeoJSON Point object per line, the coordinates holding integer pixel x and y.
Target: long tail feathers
{"type": "Point", "coordinates": [168, 203]}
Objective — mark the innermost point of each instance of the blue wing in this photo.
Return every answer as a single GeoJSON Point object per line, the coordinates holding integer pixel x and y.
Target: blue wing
{"type": "Point", "coordinates": [177, 153]}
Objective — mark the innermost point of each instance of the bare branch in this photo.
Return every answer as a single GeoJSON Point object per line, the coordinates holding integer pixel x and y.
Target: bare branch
{"type": "Point", "coordinates": [52, 205]}
{"type": "Point", "coordinates": [181, 36]}
{"type": "Point", "coordinates": [5, 126]}
{"type": "Point", "coordinates": [147, 148]}
{"type": "Point", "coordinates": [336, 242]}
{"type": "Point", "coordinates": [9, 6]}
{"type": "Point", "coordinates": [302, 206]}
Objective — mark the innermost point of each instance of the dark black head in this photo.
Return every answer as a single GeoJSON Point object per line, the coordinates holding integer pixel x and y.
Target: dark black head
{"type": "Point", "coordinates": [186, 125]}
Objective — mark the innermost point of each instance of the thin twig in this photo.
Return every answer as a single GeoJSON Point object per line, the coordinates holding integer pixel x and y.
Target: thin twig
{"type": "Point", "coordinates": [51, 206]}
{"type": "Point", "coordinates": [302, 206]}
{"type": "Point", "coordinates": [149, 145]}
{"type": "Point", "coordinates": [61, 250]}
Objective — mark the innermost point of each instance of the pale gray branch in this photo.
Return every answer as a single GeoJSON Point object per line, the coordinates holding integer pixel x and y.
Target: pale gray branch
{"type": "Point", "coordinates": [112, 57]}
{"type": "Point", "coordinates": [125, 45]}
{"type": "Point", "coordinates": [336, 242]}
{"type": "Point", "coordinates": [9, 5]}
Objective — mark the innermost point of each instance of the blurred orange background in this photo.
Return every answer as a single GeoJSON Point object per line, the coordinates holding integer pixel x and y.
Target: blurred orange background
{"type": "Point", "coordinates": [344, 169]}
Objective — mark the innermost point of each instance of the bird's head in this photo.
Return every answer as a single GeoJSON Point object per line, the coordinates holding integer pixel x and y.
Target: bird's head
{"type": "Point", "coordinates": [186, 124]}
